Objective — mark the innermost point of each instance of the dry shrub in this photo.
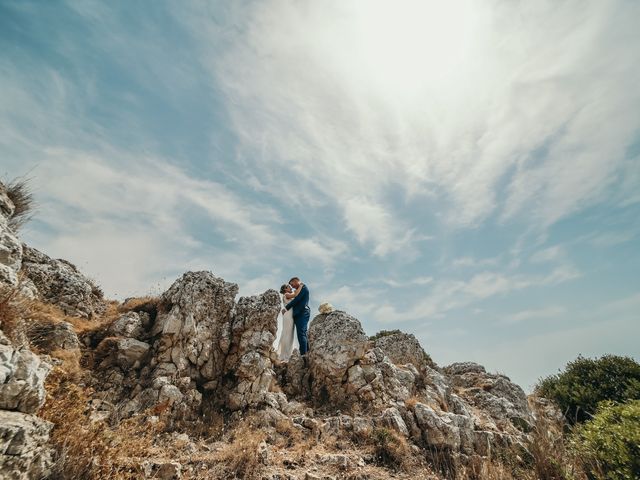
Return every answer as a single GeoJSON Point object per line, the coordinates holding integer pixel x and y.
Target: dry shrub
{"type": "Point", "coordinates": [240, 457]}
{"type": "Point", "coordinates": [91, 449]}
{"type": "Point", "coordinates": [391, 450]}
{"type": "Point", "coordinates": [19, 192]}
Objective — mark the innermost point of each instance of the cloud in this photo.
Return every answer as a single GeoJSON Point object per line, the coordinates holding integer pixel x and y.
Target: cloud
{"type": "Point", "coordinates": [355, 116]}
{"type": "Point", "coordinates": [533, 314]}
{"type": "Point", "coordinates": [446, 295]}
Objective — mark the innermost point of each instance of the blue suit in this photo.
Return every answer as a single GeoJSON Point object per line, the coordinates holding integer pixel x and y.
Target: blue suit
{"type": "Point", "coordinates": [301, 314]}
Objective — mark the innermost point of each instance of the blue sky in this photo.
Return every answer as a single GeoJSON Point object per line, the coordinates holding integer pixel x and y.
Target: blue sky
{"type": "Point", "coordinates": [465, 171]}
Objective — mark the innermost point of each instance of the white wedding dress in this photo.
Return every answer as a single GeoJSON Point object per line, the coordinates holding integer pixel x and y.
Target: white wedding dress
{"type": "Point", "coordinates": [285, 346]}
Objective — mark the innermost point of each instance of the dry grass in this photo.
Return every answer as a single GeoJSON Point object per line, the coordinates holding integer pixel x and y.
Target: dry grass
{"type": "Point", "coordinates": [21, 195]}
{"type": "Point", "coordinates": [87, 449]}
{"type": "Point", "coordinates": [240, 457]}
{"type": "Point", "coordinates": [392, 450]}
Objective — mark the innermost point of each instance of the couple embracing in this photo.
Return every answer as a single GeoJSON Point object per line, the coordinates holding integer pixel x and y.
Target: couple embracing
{"type": "Point", "coordinates": [296, 314]}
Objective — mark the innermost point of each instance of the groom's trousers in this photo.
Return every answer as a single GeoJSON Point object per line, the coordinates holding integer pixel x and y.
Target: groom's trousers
{"type": "Point", "coordinates": [302, 321]}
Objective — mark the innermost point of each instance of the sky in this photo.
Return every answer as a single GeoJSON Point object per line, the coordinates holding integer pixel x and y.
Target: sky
{"type": "Point", "coordinates": [465, 171]}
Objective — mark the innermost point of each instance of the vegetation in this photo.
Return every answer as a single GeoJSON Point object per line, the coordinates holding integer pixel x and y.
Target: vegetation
{"type": "Point", "coordinates": [384, 333]}
{"type": "Point", "coordinates": [586, 382]}
{"type": "Point", "coordinates": [609, 444]}
{"type": "Point", "coordinates": [19, 192]}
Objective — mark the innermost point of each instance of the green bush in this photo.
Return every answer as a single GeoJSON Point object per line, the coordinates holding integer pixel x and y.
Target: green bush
{"type": "Point", "coordinates": [587, 382]}
{"type": "Point", "coordinates": [609, 444]}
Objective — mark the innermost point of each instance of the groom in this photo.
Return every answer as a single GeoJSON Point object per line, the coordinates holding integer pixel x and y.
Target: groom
{"type": "Point", "coordinates": [301, 313]}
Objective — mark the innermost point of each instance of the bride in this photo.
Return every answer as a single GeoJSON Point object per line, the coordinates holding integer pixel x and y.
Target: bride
{"type": "Point", "coordinates": [285, 346]}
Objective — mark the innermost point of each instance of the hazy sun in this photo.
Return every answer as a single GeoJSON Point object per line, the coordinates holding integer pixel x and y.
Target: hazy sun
{"type": "Point", "coordinates": [409, 46]}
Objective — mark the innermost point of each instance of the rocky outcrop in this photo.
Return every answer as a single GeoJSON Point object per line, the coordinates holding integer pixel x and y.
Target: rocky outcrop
{"type": "Point", "coordinates": [503, 404]}
{"type": "Point", "coordinates": [51, 336]}
{"type": "Point", "coordinates": [10, 246]}
{"type": "Point", "coordinates": [201, 342]}
{"type": "Point", "coordinates": [403, 348]}
{"type": "Point", "coordinates": [22, 376]}
{"type": "Point", "coordinates": [24, 450]}
{"type": "Point", "coordinates": [60, 283]}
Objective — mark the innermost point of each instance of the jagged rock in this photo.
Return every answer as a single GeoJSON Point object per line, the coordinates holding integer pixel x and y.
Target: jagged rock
{"type": "Point", "coordinates": [391, 418]}
{"type": "Point", "coordinates": [60, 283]}
{"type": "Point", "coordinates": [439, 429]}
{"type": "Point", "coordinates": [52, 336]}
{"type": "Point", "coordinates": [130, 324]}
{"type": "Point", "coordinates": [24, 450]}
{"type": "Point", "coordinates": [10, 246]}
{"type": "Point", "coordinates": [495, 395]}
{"type": "Point", "coordinates": [403, 348]}
{"type": "Point", "coordinates": [22, 376]}
{"type": "Point", "coordinates": [194, 329]}
{"type": "Point", "coordinates": [337, 342]}
{"type": "Point", "coordinates": [162, 469]}
{"type": "Point", "coordinates": [248, 363]}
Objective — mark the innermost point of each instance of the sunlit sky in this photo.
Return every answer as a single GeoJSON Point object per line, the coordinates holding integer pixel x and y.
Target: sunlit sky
{"type": "Point", "coordinates": [465, 171]}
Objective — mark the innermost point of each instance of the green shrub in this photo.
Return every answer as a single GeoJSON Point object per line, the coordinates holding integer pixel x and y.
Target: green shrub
{"type": "Point", "coordinates": [609, 444]}
{"type": "Point", "coordinates": [587, 382]}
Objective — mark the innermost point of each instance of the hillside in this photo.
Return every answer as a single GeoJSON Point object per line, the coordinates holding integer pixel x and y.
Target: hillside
{"type": "Point", "coordinates": [187, 385]}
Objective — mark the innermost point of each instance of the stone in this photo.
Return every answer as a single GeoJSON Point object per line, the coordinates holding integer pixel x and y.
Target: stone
{"type": "Point", "coordinates": [162, 469]}
{"type": "Point", "coordinates": [336, 341]}
{"type": "Point", "coordinates": [392, 419]}
{"type": "Point", "coordinates": [22, 377]}
{"type": "Point", "coordinates": [438, 429]}
{"type": "Point", "coordinates": [24, 450]}
{"type": "Point", "coordinates": [52, 336]}
{"type": "Point", "coordinates": [129, 352]}
{"type": "Point", "coordinates": [60, 283]}
{"type": "Point", "coordinates": [403, 348]}
{"type": "Point", "coordinates": [129, 324]}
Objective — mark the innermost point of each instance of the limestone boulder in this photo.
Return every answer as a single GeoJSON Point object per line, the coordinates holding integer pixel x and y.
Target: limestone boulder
{"type": "Point", "coordinates": [22, 377]}
{"type": "Point", "coordinates": [493, 395]}
{"type": "Point", "coordinates": [60, 283]}
{"type": "Point", "coordinates": [24, 450]}
{"type": "Point", "coordinates": [403, 348]}
{"type": "Point", "coordinates": [337, 341]}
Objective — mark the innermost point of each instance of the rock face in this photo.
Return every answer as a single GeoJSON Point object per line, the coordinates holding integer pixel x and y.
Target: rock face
{"type": "Point", "coordinates": [201, 342]}
{"type": "Point", "coordinates": [60, 283]}
{"type": "Point", "coordinates": [403, 348]}
{"type": "Point", "coordinates": [24, 452]}
{"type": "Point", "coordinates": [22, 376]}
{"type": "Point", "coordinates": [10, 246]}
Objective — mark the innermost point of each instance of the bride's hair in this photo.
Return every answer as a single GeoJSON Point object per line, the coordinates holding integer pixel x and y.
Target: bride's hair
{"type": "Point", "coordinates": [283, 288]}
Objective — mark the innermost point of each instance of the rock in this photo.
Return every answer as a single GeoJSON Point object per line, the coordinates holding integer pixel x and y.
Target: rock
{"type": "Point", "coordinates": [10, 256]}
{"type": "Point", "coordinates": [60, 283]}
{"type": "Point", "coordinates": [130, 352]}
{"type": "Point", "coordinates": [24, 450]}
{"type": "Point", "coordinates": [337, 342]}
{"type": "Point", "coordinates": [438, 429]}
{"type": "Point", "coordinates": [391, 418]}
{"type": "Point", "coordinates": [130, 324]}
{"type": "Point", "coordinates": [248, 368]}
{"type": "Point", "coordinates": [494, 395]}
{"type": "Point", "coordinates": [162, 470]}
{"type": "Point", "coordinates": [52, 336]}
{"type": "Point", "coordinates": [22, 376]}
{"type": "Point", "coordinates": [403, 348]}
{"type": "Point", "coordinates": [193, 330]}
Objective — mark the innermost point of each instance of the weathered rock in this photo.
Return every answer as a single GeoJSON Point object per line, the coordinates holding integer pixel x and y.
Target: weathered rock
{"type": "Point", "coordinates": [403, 348]}
{"type": "Point", "coordinates": [194, 330]}
{"type": "Point", "coordinates": [162, 469]}
{"type": "Point", "coordinates": [249, 374]}
{"type": "Point", "coordinates": [493, 394]}
{"type": "Point", "coordinates": [24, 450]}
{"type": "Point", "coordinates": [10, 246]}
{"type": "Point", "coordinates": [130, 324]}
{"type": "Point", "coordinates": [337, 342]}
{"type": "Point", "coordinates": [60, 283]}
{"type": "Point", "coordinates": [392, 419]}
{"type": "Point", "coordinates": [52, 336]}
{"type": "Point", "coordinates": [22, 376]}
